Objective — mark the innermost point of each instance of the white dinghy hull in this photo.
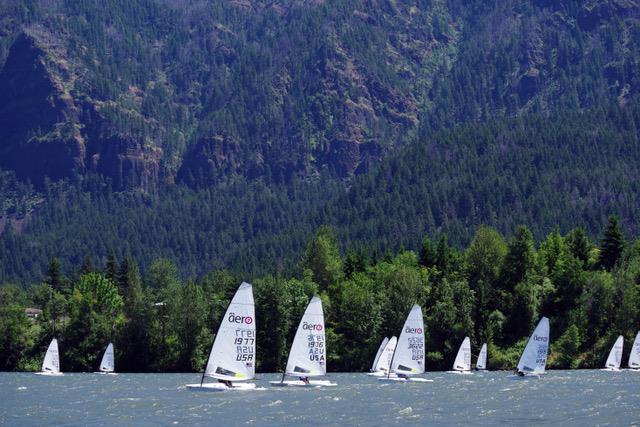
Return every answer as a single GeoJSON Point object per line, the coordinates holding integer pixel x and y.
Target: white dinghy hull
{"type": "Point", "coordinates": [299, 383]}
{"type": "Point", "coordinates": [379, 374]}
{"type": "Point", "coordinates": [106, 373]}
{"type": "Point", "coordinates": [405, 380]}
{"type": "Point", "coordinates": [221, 387]}
{"type": "Point", "coordinates": [459, 372]}
{"type": "Point", "coordinates": [50, 374]}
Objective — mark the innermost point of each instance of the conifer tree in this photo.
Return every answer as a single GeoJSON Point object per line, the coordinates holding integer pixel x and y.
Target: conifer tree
{"type": "Point", "coordinates": [612, 244]}
{"type": "Point", "coordinates": [111, 267]}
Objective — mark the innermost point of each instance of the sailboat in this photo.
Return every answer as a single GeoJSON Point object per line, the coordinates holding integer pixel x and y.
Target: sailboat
{"type": "Point", "coordinates": [232, 357]}
{"type": "Point", "coordinates": [408, 357]}
{"type": "Point", "coordinates": [383, 344]}
{"type": "Point", "coordinates": [107, 365]}
{"type": "Point", "coordinates": [533, 360]}
{"type": "Point", "coordinates": [615, 356]}
{"type": "Point", "coordinates": [481, 363]}
{"type": "Point", "coordinates": [308, 357]}
{"type": "Point", "coordinates": [634, 357]}
{"type": "Point", "coordinates": [51, 362]}
{"type": "Point", "coordinates": [382, 363]}
{"type": "Point", "coordinates": [462, 364]}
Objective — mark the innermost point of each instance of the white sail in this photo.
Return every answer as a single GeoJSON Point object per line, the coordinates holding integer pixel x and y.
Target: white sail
{"type": "Point", "coordinates": [233, 353]}
{"type": "Point", "coordinates": [108, 363]}
{"type": "Point", "coordinates": [383, 344]}
{"type": "Point", "coordinates": [534, 356]}
{"type": "Point", "coordinates": [615, 355]}
{"type": "Point", "coordinates": [408, 358]}
{"type": "Point", "coordinates": [482, 358]}
{"type": "Point", "coordinates": [463, 358]}
{"type": "Point", "coordinates": [387, 355]}
{"type": "Point", "coordinates": [51, 363]}
{"type": "Point", "coordinates": [634, 357]}
{"type": "Point", "coordinates": [307, 357]}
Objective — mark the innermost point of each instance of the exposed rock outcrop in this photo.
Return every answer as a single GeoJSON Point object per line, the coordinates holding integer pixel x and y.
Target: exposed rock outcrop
{"type": "Point", "coordinates": [38, 117]}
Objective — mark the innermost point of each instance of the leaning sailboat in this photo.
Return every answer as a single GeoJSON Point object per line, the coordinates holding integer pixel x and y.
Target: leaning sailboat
{"type": "Point", "coordinates": [308, 356]}
{"type": "Point", "coordinates": [232, 357]}
{"type": "Point", "coordinates": [634, 357]}
{"type": "Point", "coordinates": [533, 360]}
{"type": "Point", "coordinates": [409, 356]}
{"type": "Point", "coordinates": [383, 344]}
{"type": "Point", "coordinates": [107, 365]}
{"type": "Point", "coordinates": [615, 356]}
{"type": "Point", "coordinates": [481, 363]}
{"type": "Point", "coordinates": [51, 362]}
{"type": "Point", "coordinates": [383, 362]}
{"type": "Point", "coordinates": [462, 363]}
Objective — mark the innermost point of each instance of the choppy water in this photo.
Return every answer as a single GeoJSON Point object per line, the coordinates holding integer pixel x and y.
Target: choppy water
{"type": "Point", "coordinates": [562, 397]}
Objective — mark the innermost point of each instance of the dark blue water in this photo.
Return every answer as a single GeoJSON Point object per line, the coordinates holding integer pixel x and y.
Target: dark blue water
{"type": "Point", "coordinates": [560, 398]}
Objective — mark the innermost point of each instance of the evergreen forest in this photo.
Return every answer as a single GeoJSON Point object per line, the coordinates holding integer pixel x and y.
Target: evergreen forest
{"type": "Point", "coordinates": [494, 291]}
{"type": "Point", "coordinates": [479, 158]}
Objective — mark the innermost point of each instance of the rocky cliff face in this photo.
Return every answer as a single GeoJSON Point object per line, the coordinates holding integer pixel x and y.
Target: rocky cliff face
{"type": "Point", "coordinates": [196, 91]}
{"type": "Point", "coordinates": [38, 116]}
{"type": "Point", "coordinates": [49, 129]}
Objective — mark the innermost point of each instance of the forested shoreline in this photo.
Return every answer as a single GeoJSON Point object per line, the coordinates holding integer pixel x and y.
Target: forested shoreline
{"type": "Point", "coordinates": [494, 290]}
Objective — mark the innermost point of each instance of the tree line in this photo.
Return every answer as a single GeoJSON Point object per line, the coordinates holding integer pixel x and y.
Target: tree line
{"type": "Point", "coordinates": [494, 291]}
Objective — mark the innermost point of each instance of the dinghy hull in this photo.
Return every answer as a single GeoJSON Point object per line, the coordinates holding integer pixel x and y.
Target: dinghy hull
{"type": "Point", "coordinates": [379, 374]}
{"type": "Point", "coordinates": [221, 387]}
{"type": "Point", "coordinates": [298, 383]}
{"type": "Point", "coordinates": [405, 380]}
{"type": "Point", "coordinates": [105, 373]}
{"type": "Point", "coordinates": [50, 374]}
{"type": "Point", "coordinates": [459, 372]}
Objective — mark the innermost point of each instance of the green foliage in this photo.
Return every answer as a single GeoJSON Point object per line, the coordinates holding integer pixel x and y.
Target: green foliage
{"type": "Point", "coordinates": [161, 323]}
{"type": "Point", "coordinates": [567, 349]}
{"type": "Point", "coordinates": [94, 311]}
{"type": "Point", "coordinates": [322, 258]}
{"type": "Point", "coordinates": [14, 324]}
{"type": "Point", "coordinates": [612, 244]}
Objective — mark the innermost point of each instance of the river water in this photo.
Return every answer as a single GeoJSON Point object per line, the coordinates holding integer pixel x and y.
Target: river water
{"type": "Point", "coordinates": [580, 398]}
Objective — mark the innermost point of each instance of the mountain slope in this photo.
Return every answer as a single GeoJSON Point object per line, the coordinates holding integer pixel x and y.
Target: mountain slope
{"type": "Point", "coordinates": [570, 170]}
{"type": "Point", "coordinates": [158, 91]}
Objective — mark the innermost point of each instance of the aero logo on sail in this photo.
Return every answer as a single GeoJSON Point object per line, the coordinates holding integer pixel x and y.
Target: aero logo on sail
{"type": "Point", "coordinates": [413, 330]}
{"type": "Point", "coordinates": [312, 326]}
{"type": "Point", "coordinates": [240, 319]}
{"type": "Point", "coordinates": [537, 338]}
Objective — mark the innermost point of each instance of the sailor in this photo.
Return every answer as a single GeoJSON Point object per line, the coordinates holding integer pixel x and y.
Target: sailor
{"type": "Point", "coordinates": [403, 376]}
{"type": "Point", "coordinates": [305, 380]}
{"type": "Point", "coordinates": [226, 383]}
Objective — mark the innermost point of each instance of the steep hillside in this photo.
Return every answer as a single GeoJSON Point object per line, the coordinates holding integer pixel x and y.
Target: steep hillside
{"type": "Point", "coordinates": [258, 89]}
{"type": "Point", "coordinates": [159, 91]}
{"type": "Point", "coordinates": [224, 133]}
{"type": "Point", "coordinates": [572, 170]}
